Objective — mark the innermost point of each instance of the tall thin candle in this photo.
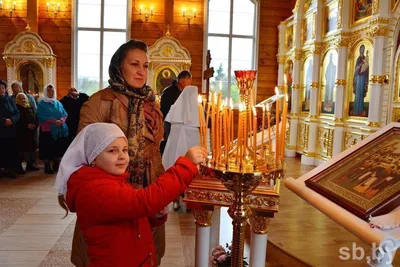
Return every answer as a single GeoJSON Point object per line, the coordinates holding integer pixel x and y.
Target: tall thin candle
{"type": "Point", "coordinates": [262, 127]}
{"type": "Point", "coordinates": [277, 126]}
{"type": "Point", "coordinates": [255, 135]}
{"type": "Point", "coordinates": [269, 128]}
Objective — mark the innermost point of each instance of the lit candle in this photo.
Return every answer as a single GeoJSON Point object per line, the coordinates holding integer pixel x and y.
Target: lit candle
{"type": "Point", "coordinates": [47, 6]}
{"type": "Point", "coordinates": [194, 13]}
{"type": "Point", "coordinates": [262, 127]}
{"type": "Point", "coordinates": [245, 132]}
{"type": "Point", "coordinates": [140, 9]}
{"type": "Point", "coordinates": [225, 129]}
{"type": "Point", "coordinates": [184, 12]}
{"type": "Point", "coordinates": [284, 118]}
{"type": "Point", "coordinates": [213, 137]}
{"type": "Point", "coordinates": [255, 135]}
{"type": "Point", "coordinates": [1, 4]}
{"type": "Point", "coordinates": [277, 126]}
{"type": "Point", "coordinates": [269, 128]}
{"type": "Point", "coordinates": [231, 122]}
{"type": "Point", "coordinates": [200, 109]}
{"type": "Point", "coordinates": [58, 6]}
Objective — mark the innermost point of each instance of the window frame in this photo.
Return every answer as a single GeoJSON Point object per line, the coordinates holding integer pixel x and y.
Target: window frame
{"type": "Point", "coordinates": [101, 30]}
{"type": "Point", "coordinates": [231, 36]}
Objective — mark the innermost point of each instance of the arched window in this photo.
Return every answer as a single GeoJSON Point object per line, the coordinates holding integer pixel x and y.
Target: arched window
{"type": "Point", "coordinates": [232, 31]}
{"type": "Point", "coordinates": [100, 27]}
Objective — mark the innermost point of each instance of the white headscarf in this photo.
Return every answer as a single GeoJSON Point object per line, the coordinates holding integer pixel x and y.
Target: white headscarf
{"type": "Point", "coordinates": [87, 145]}
{"type": "Point", "coordinates": [45, 97]}
{"type": "Point", "coordinates": [185, 109]}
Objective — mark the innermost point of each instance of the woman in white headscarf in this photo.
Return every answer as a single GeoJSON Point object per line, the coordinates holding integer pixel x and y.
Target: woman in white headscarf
{"type": "Point", "coordinates": [184, 119]}
{"type": "Point", "coordinates": [53, 130]}
{"type": "Point", "coordinates": [115, 218]}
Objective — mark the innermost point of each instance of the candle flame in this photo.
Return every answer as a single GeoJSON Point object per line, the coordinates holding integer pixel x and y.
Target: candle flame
{"type": "Point", "coordinates": [199, 99]}
{"type": "Point", "coordinates": [263, 108]}
{"type": "Point", "coordinates": [287, 97]}
{"type": "Point", "coordinates": [276, 90]}
{"type": "Point", "coordinates": [284, 79]}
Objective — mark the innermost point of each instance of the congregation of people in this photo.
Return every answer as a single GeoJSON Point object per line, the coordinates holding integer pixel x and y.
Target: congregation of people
{"type": "Point", "coordinates": [118, 167]}
{"type": "Point", "coordinates": [28, 126]}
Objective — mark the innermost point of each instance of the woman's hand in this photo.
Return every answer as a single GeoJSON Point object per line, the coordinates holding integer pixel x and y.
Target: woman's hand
{"type": "Point", "coordinates": [8, 122]}
{"type": "Point", "coordinates": [58, 123]}
{"type": "Point", "coordinates": [196, 154]}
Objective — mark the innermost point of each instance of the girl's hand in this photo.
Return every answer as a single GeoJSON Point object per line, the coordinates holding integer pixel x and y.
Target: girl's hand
{"type": "Point", "coordinates": [162, 212]}
{"type": "Point", "coordinates": [196, 154]}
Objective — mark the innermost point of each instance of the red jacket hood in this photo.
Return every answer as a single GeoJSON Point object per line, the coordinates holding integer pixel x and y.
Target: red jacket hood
{"type": "Point", "coordinates": [91, 175]}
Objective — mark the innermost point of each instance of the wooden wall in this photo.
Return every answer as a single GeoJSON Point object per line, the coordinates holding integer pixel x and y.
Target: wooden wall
{"type": "Point", "coordinates": [57, 32]}
{"type": "Point", "coordinates": [272, 13]}
{"type": "Point", "coordinates": [190, 37]}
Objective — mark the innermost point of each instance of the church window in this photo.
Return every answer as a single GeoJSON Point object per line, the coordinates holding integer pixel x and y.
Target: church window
{"type": "Point", "coordinates": [101, 26]}
{"type": "Point", "coordinates": [232, 40]}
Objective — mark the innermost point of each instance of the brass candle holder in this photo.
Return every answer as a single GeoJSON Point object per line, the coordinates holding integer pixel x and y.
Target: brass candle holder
{"type": "Point", "coordinates": [241, 165]}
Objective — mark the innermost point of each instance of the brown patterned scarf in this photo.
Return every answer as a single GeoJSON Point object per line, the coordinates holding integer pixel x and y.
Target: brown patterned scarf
{"type": "Point", "coordinates": [136, 117]}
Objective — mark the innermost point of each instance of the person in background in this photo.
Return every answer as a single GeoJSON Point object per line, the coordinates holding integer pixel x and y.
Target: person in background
{"type": "Point", "coordinates": [16, 88]}
{"type": "Point", "coordinates": [129, 103]}
{"type": "Point", "coordinates": [72, 103]}
{"type": "Point", "coordinates": [26, 134]}
{"type": "Point", "coordinates": [168, 97]}
{"type": "Point", "coordinates": [115, 218]}
{"type": "Point", "coordinates": [53, 130]}
{"type": "Point", "coordinates": [9, 116]}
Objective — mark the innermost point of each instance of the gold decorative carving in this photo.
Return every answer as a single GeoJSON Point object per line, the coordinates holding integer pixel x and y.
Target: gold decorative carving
{"type": "Point", "coordinates": [49, 62]}
{"type": "Point", "coordinates": [314, 85]}
{"type": "Point", "coordinates": [202, 217]}
{"type": "Point", "coordinates": [297, 54]}
{"type": "Point", "coordinates": [259, 224]}
{"type": "Point", "coordinates": [339, 18]}
{"type": "Point", "coordinates": [377, 79]}
{"type": "Point", "coordinates": [377, 31]}
{"type": "Point", "coordinates": [9, 62]}
{"type": "Point", "coordinates": [295, 86]}
{"type": "Point", "coordinates": [373, 124]}
{"type": "Point", "coordinates": [281, 88]}
{"type": "Point", "coordinates": [261, 201]}
{"type": "Point", "coordinates": [375, 6]}
{"type": "Point", "coordinates": [287, 136]}
{"type": "Point", "coordinates": [292, 147]}
{"type": "Point", "coordinates": [29, 46]}
{"type": "Point", "coordinates": [325, 141]}
{"type": "Point", "coordinates": [379, 20]}
{"type": "Point", "coordinates": [281, 59]}
{"type": "Point", "coordinates": [167, 51]}
{"type": "Point", "coordinates": [306, 131]}
{"type": "Point", "coordinates": [318, 48]}
{"type": "Point", "coordinates": [301, 135]}
{"type": "Point", "coordinates": [350, 139]}
{"type": "Point", "coordinates": [396, 114]}
{"type": "Point", "coordinates": [340, 82]}
{"type": "Point", "coordinates": [291, 114]}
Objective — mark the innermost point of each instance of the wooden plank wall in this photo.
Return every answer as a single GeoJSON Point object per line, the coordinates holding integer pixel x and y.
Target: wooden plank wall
{"type": "Point", "coordinates": [272, 13]}
{"type": "Point", "coordinates": [190, 37]}
{"type": "Point", "coordinates": [57, 32]}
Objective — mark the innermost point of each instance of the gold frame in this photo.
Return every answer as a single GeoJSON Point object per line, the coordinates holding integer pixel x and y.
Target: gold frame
{"type": "Point", "coordinates": [354, 23]}
{"type": "Point", "coordinates": [350, 70]}
{"type": "Point", "coordinates": [324, 115]}
{"type": "Point", "coordinates": [331, 5]}
{"type": "Point", "coordinates": [307, 55]}
{"type": "Point", "coordinates": [396, 91]}
{"type": "Point", "coordinates": [395, 114]}
{"type": "Point", "coordinates": [394, 5]}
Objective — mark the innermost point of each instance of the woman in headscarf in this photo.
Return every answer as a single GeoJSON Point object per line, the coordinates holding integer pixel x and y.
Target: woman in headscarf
{"type": "Point", "coordinates": [129, 103]}
{"type": "Point", "coordinates": [26, 133]}
{"type": "Point", "coordinates": [53, 130]}
{"type": "Point", "coordinates": [9, 115]}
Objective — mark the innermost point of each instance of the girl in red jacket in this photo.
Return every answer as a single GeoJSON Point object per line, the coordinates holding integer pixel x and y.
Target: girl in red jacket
{"type": "Point", "coordinates": [115, 218]}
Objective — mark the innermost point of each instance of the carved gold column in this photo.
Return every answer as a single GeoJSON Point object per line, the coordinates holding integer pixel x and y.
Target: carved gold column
{"type": "Point", "coordinates": [308, 157]}
{"type": "Point", "coordinates": [259, 237]}
{"type": "Point", "coordinates": [340, 87]}
{"type": "Point", "coordinates": [377, 77]}
{"type": "Point", "coordinates": [10, 70]}
{"type": "Point", "coordinates": [203, 222]}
